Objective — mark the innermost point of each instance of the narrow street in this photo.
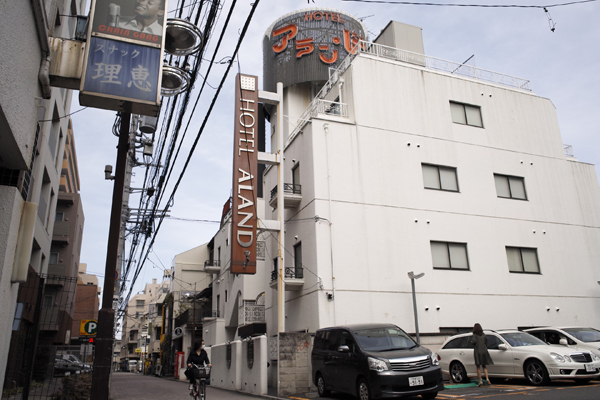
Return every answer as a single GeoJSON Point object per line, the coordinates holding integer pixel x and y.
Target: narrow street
{"type": "Point", "coordinates": [130, 386]}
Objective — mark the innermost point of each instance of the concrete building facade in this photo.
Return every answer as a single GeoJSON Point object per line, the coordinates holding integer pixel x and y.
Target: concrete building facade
{"type": "Point", "coordinates": [33, 131]}
{"type": "Point", "coordinates": [405, 163]}
{"type": "Point", "coordinates": [407, 167]}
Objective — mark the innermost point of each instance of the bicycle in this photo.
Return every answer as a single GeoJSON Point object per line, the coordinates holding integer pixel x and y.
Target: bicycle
{"type": "Point", "coordinates": [201, 374]}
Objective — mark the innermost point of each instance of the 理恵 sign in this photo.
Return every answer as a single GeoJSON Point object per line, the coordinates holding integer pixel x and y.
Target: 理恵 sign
{"type": "Point", "coordinates": [118, 72]}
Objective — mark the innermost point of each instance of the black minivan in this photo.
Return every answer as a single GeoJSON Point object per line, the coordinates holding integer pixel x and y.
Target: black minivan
{"type": "Point", "coordinates": [373, 361]}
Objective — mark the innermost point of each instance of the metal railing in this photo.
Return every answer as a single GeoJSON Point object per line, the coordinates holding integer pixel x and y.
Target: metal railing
{"type": "Point", "coordinates": [250, 313]}
{"type": "Point", "coordinates": [212, 263]}
{"type": "Point", "coordinates": [211, 314]}
{"type": "Point", "coordinates": [438, 64]}
{"type": "Point", "coordinates": [292, 188]}
{"type": "Point", "coordinates": [568, 150]}
{"type": "Point", "coordinates": [331, 108]}
{"type": "Point", "coordinates": [381, 51]}
{"type": "Point", "coordinates": [290, 273]}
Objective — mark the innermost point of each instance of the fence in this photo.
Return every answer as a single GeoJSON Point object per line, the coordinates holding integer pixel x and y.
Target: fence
{"type": "Point", "coordinates": [241, 365]}
{"type": "Point", "coordinates": [38, 368]}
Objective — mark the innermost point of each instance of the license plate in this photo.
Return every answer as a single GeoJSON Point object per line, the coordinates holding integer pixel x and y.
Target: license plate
{"type": "Point", "coordinates": [590, 368]}
{"type": "Point", "coordinates": [415, 381]}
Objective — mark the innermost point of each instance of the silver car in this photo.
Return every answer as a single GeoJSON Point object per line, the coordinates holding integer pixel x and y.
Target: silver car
{"type": "Point", "coordinates": [581, 337]}
{"type": "Point", "coordinates": [518, 354]}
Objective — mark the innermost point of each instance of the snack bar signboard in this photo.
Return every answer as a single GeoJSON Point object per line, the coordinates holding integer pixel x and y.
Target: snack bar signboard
{"type": "Point", "coordinates": [130, 20]}
{"type": "Point", "coordinates": [122, 65]}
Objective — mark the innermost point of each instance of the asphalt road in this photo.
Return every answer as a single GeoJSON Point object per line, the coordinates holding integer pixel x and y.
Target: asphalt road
{"type": "Point", "coordinates": [130, 386]}
{"type": "Point", "coordinates": [507, 390]}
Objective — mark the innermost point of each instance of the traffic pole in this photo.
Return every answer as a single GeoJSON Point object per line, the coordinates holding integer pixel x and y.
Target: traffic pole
{"type": "Point", "coordinates": [106, 315]}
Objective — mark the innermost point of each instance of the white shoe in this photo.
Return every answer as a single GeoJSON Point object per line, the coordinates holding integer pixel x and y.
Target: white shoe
{"type": "Point", "coordinates": [191, 386]}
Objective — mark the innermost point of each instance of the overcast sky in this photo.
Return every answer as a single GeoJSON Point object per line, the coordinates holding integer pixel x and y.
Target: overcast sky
{"type": "Point", "coordinates": [561, 65]}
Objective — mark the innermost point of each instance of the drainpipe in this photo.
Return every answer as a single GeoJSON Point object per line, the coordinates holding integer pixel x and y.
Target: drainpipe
{"type": "Point", "coordinates": [41, 22]}
{"type": "Point", "coordinates": [44, 76]}
{"type": "Point", "coordinates": [326, 130]}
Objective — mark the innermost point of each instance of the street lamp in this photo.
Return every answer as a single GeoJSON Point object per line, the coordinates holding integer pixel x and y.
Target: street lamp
{"type": "Point", "coordinates": [412, 277]}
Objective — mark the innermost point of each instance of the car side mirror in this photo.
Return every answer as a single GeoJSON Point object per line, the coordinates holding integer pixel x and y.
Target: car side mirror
{"type": "Point", "coordinates": [563, 342]}
{"type": "Point", "coordinates": [502, 346]}
{"type": "Point", "coordinates": [343, 349]}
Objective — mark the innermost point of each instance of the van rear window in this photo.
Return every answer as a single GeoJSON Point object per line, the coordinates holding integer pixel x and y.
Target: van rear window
{"type": "Point", "coordinates": [384, 339]}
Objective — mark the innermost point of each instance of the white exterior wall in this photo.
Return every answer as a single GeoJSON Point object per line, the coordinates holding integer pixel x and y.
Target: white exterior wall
{"type": "Point", "coordinates": [238, 287]}
{"type": "Point", "coordinates": [368, 182]}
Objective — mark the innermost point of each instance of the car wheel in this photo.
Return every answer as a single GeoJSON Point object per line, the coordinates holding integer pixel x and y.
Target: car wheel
{"type": "Point", "coordinates": [536, 373]}
{"type": "Point", "coordinates": [429, 396]}
{"type": "Point", "coordinates": [458, 373]}
{"type": "Point", "coordinates": [321, 386]}
{"type": "Point", "coordinates": [363, 390]}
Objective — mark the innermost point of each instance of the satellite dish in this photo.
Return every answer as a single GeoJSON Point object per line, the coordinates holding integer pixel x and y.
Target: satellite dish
{"type": "Point", "coordinates": [183, 38]}
{"type": "Point", "coordinates": [174, 81]}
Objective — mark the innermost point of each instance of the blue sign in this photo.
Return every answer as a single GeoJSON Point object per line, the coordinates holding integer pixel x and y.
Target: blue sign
{"type": "Point", "coordinates": [122, 69]}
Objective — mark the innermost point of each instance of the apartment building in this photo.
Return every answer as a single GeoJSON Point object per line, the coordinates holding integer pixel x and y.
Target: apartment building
{"type": "Point", "coordinates": [33, 132]}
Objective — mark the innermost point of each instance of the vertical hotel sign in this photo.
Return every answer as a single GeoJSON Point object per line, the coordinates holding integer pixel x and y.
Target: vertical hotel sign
{"type": "Point", "coordinates": [245, 163]}
{"type": "Point", "coordinates": [122, 66]}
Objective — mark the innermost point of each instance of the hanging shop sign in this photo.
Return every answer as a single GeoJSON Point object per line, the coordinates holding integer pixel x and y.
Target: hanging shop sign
{"type": "Point", "coordinates": [122, 64]}
{"type": "Point", "coordinates": [139, 21]}
{"type": "Point", "coordinates": [245, 167]}
{"type": "Point", "coordinates": [302, 46]}
{"type": "Point", "coordinates": [117, 73]}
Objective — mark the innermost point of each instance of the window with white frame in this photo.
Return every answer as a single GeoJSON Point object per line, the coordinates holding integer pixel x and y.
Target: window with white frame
{"type": "Point", "coordinates": [522, 260]}
{"type": "Point", "coordinates": [448, 255]}
{"type": "Point", "coordinates": [466, 114]}
{"type": "Point", "coordinates": [439, 177]}
{"type": "Point", "coordinates": [510, 187]}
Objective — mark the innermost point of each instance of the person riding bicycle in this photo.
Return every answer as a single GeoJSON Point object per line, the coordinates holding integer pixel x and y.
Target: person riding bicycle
{"type": "Point", "coordinates": [199, 357]}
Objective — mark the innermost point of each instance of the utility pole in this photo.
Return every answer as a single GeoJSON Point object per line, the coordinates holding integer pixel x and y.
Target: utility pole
{"type": "Point", "coordinates": [106, 315]}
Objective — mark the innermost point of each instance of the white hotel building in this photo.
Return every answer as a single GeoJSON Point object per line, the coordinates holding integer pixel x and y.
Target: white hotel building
{"type": "Point", "coordinates": [405, 163]}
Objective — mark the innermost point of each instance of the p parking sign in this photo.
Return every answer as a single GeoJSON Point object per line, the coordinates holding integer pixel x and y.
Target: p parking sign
{"type": "Point", "coordinates": [88, 327]}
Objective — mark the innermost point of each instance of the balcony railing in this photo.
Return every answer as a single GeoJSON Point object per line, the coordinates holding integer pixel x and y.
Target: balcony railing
{"type": "Point", "coordinates": [330, 108]}
{"type": "Point", "coordinates": [289, 273]}
{"type": "Point", "coordinates": [212, 266]}
{"type": "Point", "coordinates": [292, 188]}
{"type": "Point", "coordinates": [211, 314]}
{"type": "Point", "coordinates": [250, 313]}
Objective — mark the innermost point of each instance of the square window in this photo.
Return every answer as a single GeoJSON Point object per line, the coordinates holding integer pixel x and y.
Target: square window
{"type": "Point", "coordinates": [53, 258]}
{"type": "Point", "coordinates": [466, 114]}
{"type": "Point", "coordinates": [510, 187]}
{"type": "Point", "coordinates": [522, 260]}
{"type": "Point", "coordinates": [440, 178]}
{"type": "Point", "coordinates": [447, 255]}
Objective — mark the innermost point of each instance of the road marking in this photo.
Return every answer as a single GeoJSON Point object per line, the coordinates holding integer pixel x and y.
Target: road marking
{"type": "Point", "coordinates": [298, 398]}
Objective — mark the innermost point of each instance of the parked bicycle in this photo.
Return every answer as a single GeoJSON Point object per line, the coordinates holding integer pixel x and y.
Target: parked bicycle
{"type": "Point", "coordinates": [201, 375]}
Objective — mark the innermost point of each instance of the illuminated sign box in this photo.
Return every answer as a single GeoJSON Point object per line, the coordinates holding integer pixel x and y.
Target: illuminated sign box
{"type": "Point", "coordinates": [137, 21]}
{"type": "Point", "coordinates": [122, 65]}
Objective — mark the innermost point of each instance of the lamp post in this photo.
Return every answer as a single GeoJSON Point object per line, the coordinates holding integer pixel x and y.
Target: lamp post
{"type": "Point", "coordinates": [412, 277]}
